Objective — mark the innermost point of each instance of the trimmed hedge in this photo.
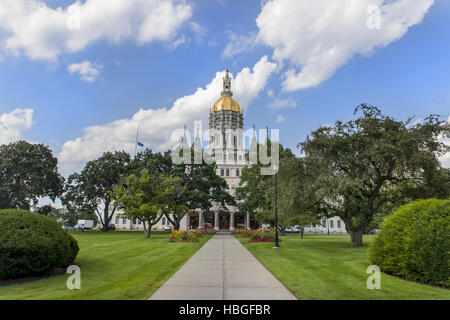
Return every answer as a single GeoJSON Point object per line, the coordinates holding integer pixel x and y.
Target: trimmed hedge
{"type": "Point", "coordinates": [414, 242]}
{"type": "Point", "coordinates": [32, 245]}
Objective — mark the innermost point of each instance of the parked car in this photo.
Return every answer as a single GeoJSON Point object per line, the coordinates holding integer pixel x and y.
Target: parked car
{"type": "Point", "coordinates": [295, 230]}
{"type": "Point", "coordinates": [288, 230]}
{"type": "Point", "coordinates": [374, 231]}
{"type": "Point", "coordinates": [167, 228]}
{"type": "Point", "coordinates": [67, 227]}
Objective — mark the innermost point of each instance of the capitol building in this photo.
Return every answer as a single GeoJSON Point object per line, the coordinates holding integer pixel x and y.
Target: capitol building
{"type": "Point", "coordinates": [226, 147]}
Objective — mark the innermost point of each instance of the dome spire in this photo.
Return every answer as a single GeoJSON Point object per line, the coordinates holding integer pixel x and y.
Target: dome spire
{"type": "Point", "coordinates": [227, 86]}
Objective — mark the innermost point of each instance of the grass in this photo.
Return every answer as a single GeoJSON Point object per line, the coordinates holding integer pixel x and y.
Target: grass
{"type": "Point", "coordinates": [325, 267]}
{"type": "Point", "coordinates": [114, 265]}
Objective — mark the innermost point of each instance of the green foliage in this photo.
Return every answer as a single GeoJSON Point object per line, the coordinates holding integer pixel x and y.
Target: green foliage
{"type": "Point", "coordinates": [255, 193]}
{"type": "Point", "coordinates": [414, 242]}
{"type": "Point", "coordinates": [364, 163]}
{"type": "Point", "coordinates": [27, 172]}
{"type": "Point", "coordinates": [91, 190]}
{"type": "Point", "coordinates": [32, 245]}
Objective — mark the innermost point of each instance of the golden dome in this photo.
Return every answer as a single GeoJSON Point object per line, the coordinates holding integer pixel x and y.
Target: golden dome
{"type": "Point", "coordinates": [226, 103]}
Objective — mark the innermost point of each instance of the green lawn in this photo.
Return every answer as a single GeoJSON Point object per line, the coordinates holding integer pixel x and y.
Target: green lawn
{"type": "Point", "coordinates": [114, 265]}
{"type": "Point", "coordinates": [325, 267]}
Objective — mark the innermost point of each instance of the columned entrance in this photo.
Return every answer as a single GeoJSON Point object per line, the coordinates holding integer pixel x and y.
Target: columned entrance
{"type": "Point", "coordinates": [220, 220]}
{"type": "Point", "coordinates": [224, 221]}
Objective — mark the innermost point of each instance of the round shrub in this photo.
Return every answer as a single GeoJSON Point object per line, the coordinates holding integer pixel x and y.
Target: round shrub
{"type": "Point", "coordinates": [414, 242]}
{"type": "Point", "coordinates": [32, 245]}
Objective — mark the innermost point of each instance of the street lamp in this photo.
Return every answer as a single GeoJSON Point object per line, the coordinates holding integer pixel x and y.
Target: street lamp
{"type": "Point", "coordinates": [276, 245]}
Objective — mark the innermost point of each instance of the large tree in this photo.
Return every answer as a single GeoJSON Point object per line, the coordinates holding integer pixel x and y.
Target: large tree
{"type": "Point", "coordinates": [27, 172]}
{"type": "Point", "coordinates": [199, 186]}
{"type": "Point", "coordinates": [359, 163]}
{"type": "Point", "coordinates": [91, 190]}
{"type": "Point", "coordinates": [255, 193]}
{"type": "Point", "coordinates": [145, 198]}
{"type": "Point", "coordinates": [296, 200]}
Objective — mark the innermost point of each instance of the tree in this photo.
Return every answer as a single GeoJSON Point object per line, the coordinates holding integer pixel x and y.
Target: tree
{"type": "Point", "coordinates": [296, 203]}
{"type": "Point", "coordinates": [199, 186]}
{"type": "Point", "coordinates": [358, 163]}
{"type": "Point", "coordinates": [27, 172]}
{"type": "Point", "coordinates": [255, 193]}
{"type": "Point", "coordinates": [91, 190]}
{"type": "Point", "coordinates": [141, 198]}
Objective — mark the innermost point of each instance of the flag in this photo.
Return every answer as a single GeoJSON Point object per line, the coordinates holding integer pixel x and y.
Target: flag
{"type": "Point", "coordinates": [140, 144]}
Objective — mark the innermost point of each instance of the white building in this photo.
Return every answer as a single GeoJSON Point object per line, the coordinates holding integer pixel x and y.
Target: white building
{"type": "Point", "coordinates": [333, 225]}
{"type": "Point", "coordinates": [226, 146]}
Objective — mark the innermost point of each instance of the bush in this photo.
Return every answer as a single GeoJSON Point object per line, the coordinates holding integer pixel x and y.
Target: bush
{"type": "Point", "coordinates": [414, 242]}
{"type": "Point", "coordinates": [32, 245]}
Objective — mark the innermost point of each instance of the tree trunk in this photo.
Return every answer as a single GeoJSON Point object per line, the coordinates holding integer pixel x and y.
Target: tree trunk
{"type": "Point", "coordinates": [302, 231]}
{"type": "Point", "coordinates": [106, 217]}
{"type": "Point", "coordinates": [176, 224]}
{"type": "Point", "coordinates": [356, 236]}
{"type": "Point", "coordinates": [148, 229]}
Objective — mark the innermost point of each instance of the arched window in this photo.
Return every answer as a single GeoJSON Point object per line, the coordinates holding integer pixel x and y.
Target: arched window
{"type": "Point", "coordinates": [221, 172]}
{"type": "Point", "coordinates": [163, 221]}
{"type": "Point", "coordinates": [238, 173]}
{"type": "Point", "coordinates": [228, 172]}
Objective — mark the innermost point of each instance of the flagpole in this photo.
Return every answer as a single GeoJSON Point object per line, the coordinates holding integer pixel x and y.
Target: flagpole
{"type": "Point", "coordinates": [135, 145]}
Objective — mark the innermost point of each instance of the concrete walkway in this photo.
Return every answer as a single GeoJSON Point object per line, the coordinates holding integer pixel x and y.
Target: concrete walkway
{"type": "Point", "coordinates": [223, 269]}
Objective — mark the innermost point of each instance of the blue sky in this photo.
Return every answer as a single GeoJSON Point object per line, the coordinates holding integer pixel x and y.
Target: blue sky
{"type": "Point", "coordinates": [404, 73]}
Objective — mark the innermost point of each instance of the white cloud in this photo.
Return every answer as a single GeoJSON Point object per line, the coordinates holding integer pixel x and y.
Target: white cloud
{"type": "Point", "coordinates": [238, 44]}
{"type": "Point", "coordinates": [13, 124]}
{"type": "Point", "coordinates": [157, 125]}
{"type": "Point", "coordinates": [88, 71]}
{"type": "Point", "coordinates": [320, 36]}
{"type": "Point", "coordinates": [181, 40]}
{"type": "Point", "coordinates": [279, 119]}
{"type": "Point", "coordinates": [282, 103]}
{"type": "Point", "coordinates": [43, 33]}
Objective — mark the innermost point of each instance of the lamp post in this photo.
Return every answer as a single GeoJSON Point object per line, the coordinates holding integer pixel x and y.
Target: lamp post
{"type": "Point", "coordinates": [276, 245]}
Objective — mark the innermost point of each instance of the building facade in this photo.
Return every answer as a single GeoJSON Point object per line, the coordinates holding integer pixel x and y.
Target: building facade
{"type": "Point", "coordinates": [226, 146]}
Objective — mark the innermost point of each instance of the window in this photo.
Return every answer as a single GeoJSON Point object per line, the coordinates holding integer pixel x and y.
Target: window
{"type": "Point", "coordinates": [221, 172]}
{"type": "Point", "coordinates": [339, 224]}
{"type": "Point", "coordinates": [228, 172]}
{"type": "Point", "coordinates": [238, 173]}
{"type": "Point", "coordinates": [139, 221]}
{"type": "Point", "coordinates": [163, 221]}
{"type": "Point", "coordinates": [117, 220]}
{"type": "Point", "coordinates": [331, 223]}
{"type": "Point", "coordinates": [324, 223]}
{"type": "Point", "coordinates": [124, 221]}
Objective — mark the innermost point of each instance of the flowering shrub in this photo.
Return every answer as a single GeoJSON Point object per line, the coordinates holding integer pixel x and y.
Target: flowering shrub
{"type": "Point", "coordinates": [187, 236]}
{"type": "Point", "coordinates": [176, 235]}
{"type": "Point", "coordinates": [262, 235]}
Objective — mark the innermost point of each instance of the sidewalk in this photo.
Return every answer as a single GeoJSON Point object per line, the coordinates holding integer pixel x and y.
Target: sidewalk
{"type": "Point", "coordinates": [223, 269]}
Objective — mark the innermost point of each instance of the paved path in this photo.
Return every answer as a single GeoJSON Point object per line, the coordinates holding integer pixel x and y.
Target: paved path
{"type": "Point", "coordinates": [223, 269]}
